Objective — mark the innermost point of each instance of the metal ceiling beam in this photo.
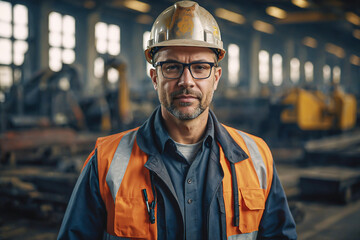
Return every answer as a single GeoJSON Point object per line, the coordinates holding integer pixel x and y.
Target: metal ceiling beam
{"type": "Point", "coordinates": [307, 17]}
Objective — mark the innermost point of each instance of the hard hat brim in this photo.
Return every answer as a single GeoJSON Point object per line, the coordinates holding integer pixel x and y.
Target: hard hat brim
{"type": "Point", "coordinates": [184, 43]}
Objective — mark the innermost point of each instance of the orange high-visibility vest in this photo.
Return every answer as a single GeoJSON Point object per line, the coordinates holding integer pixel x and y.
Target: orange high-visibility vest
{"type": "Point", "coordinates": [122, 176]}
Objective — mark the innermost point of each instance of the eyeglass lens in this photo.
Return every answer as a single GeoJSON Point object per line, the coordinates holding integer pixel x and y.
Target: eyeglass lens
{"type": "Point", "coordinates": [197, 70]}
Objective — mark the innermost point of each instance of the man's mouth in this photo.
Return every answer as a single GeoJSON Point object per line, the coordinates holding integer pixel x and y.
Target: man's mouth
{"type": "Point", "coordinates": [186, 95]}
{"type": "Point", "coordinates": [182, 96]}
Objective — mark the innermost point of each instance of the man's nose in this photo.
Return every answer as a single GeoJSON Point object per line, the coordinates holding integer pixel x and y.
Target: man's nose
{"type": "Point", "coordinates": [186, 80]}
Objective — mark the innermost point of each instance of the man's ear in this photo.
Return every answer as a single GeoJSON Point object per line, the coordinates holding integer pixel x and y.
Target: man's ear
{"type": "Point", "coordinates": [154, 78]}
{"type": "Point", "coordinates": [218, 72]}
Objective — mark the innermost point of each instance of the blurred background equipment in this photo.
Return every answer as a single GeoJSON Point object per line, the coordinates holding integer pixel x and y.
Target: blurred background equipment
{"type": "Point", "coordinates": [71, 71]}
{"type": "Point", "coordinates": [313, 110]}
{"type": "Point", "coordinates": [48, 98]}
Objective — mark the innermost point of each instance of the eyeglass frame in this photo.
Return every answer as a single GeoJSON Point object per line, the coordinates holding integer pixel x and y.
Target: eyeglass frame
{"type": "Point", "coordinates": [188, 65]}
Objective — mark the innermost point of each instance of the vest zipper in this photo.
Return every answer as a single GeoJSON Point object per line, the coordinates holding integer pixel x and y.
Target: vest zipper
{"type": "Point", "coordinates": [236, 195]}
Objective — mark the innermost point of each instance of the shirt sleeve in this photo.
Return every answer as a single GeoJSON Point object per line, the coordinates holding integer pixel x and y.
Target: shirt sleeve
{"type": "Point", "coordinates": [277, 221]}
{"type": "Point", "coordinates": [85, 216]}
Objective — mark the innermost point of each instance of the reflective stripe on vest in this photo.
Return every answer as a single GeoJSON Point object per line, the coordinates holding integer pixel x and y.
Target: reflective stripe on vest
{"type": "Point", "coordinates": [244, 236]}
{"type": "Point", "coordinates": [120, 162]}
{"type": "Point", "coordinates": [256, 159]}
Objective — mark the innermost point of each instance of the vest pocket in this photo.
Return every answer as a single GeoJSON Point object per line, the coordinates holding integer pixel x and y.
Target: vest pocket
{"type": "Point", "coordinates": [252, 205]}
{"type": "Point", "coordinates": [131, 218]}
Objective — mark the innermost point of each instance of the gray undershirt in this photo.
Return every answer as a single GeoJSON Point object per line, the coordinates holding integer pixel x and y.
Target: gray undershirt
{"type": "Point", "coordinates": [189, 151]}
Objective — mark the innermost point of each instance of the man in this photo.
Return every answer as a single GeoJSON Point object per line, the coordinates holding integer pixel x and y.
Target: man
{"type": "Point", "coordinates": [181, 175]}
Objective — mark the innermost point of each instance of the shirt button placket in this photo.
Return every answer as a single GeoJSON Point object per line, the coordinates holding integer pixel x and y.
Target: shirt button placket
{"type": "Point", "coordinates": [208, 144]}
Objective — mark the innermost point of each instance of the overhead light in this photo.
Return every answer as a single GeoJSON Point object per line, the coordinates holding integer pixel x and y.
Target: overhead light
{"type": "Point", "coordinates": [353, 18]}
{"type": "Point", "coordinates": [301, 3]}
{"type": "Point", "coordinates": [276, 12]}
{"type": "Point", "coordinates": [89, 4]}
{"type": "Point", "coordinates": [310, 42]}
{"type": "Point", "coordinates": [355, 60]}
{"type": "Point", "coordinates": [356, 33]}
{"type": "Point", "coordinates": [137, 6]}
{"type": "Point", "coordinates": [263, 27]}
{"type": "Point", "coordinates": [230, 15]}
{"type": "Point", "coordinates": [336, 50]}
{"type": "Point", "coordinates": [307, 17]}
{"type": "Point", "coordinates": [144, 19]}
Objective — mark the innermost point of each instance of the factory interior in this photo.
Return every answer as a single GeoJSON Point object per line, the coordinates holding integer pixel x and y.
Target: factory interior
{"type": "Point", "coordinates": [74, 70]}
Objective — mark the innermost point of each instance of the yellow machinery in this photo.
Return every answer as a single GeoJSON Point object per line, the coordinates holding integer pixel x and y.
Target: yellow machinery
{"type": "Point", "coordinates": [124, 111]}
{"type": "Point", "coordinates": [313, 110]}
{"type": "Point", "coordinates": [345, 109]}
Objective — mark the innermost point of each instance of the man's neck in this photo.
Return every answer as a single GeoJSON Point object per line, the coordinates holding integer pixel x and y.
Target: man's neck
{"type": "Point", "coordinates": [185, 131]}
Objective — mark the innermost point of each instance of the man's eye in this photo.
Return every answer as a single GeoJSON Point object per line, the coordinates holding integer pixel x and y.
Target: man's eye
{"type": "Point", "coordinates": [172, 67]}
{"type": "Point", "coordinates": [200, 67]}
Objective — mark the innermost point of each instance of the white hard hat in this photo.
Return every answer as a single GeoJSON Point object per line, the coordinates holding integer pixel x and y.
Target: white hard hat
{"type": "Point", "coordinates": [185, 24]}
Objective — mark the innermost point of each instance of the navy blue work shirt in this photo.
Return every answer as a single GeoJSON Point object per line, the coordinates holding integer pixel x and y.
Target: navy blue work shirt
{"type": "Point", "coordinates": [188, 179]}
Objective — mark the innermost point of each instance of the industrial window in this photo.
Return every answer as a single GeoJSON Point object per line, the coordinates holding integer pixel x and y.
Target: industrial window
{"type": "Point", "coordinates": [264, 72]}
{"type": "Point", "coordinates": [295, 70]}
{"type": "Point", "coordinates": [233, 63]}
{"type": "Point", "coordinates": [14, 33]}
{"type": "Point", "coordinates": [309, 71]}
{"type": "Point", "coordinates": [61, 40]}
{"type": "Point", "coordinates": [99, 67]}
{"type": "Point", "coordinates": [112, 75]}
{"type": "Point", "coordinates": [277, 70]}
{"type": "Point", "coordinates": [107, 37]}
{"type": "Point", "coordinates": [336, 74]}
{"type": "Point", "coordinates": [326, 73]}
{"type": "Point", "coordinates": [146, 38]}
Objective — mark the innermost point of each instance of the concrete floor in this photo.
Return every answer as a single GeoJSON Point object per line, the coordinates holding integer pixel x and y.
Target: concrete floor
{"type": "Point", "coordinates": [324, 221]}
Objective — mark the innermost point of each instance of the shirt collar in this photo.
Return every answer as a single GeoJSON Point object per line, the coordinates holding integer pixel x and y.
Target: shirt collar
{"type": "Point", "coordinates": [163, 137]}
{"type": "Point", "coordinates": [152, 137]}
{"type": "Point", "coordinates": [233, 152]}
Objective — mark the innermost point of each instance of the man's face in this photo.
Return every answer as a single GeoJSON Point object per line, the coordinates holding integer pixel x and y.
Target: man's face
{"type": "Point", "coordinates": [185, 97]}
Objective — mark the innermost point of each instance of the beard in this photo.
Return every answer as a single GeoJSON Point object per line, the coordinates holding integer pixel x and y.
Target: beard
{"type": "Point", "coordinates": [185, 116]}
{"type": "Point", "coordinates": [172, 108]}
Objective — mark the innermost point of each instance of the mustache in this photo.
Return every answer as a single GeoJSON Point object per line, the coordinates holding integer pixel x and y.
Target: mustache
{"type": "Point", "coordinates": [186, 91]}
